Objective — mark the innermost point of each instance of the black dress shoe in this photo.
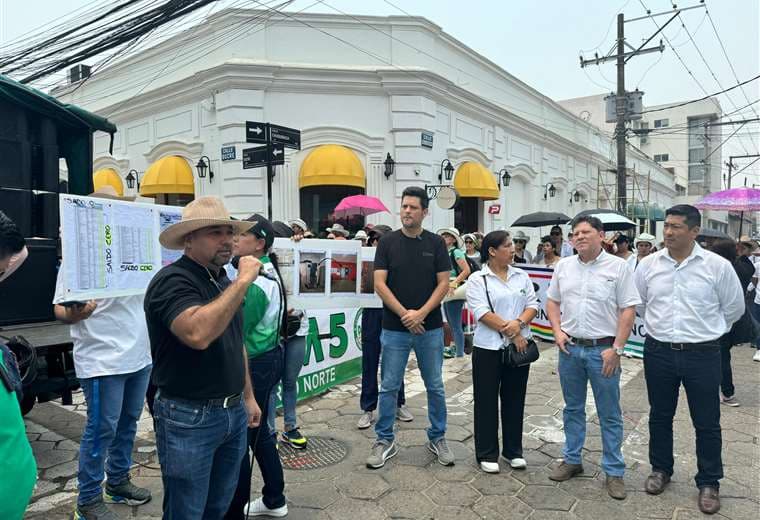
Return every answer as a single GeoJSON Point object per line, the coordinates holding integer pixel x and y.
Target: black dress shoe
{"type": "Point", "coordinates": [656, 482]}
{"type": "Point", "coordinates": [708, 500]}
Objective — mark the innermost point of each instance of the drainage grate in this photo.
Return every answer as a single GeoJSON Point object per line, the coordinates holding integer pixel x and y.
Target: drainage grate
{"type": "Point", "coordinates": [319, 453]}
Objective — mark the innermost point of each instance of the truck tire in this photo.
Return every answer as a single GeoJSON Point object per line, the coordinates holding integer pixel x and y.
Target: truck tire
{"type": "Point", "coordinates": [27, 403]}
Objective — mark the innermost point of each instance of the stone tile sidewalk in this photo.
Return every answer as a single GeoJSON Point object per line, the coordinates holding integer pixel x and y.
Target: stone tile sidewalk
{"type": "Point", "coordinates": [413, 485]}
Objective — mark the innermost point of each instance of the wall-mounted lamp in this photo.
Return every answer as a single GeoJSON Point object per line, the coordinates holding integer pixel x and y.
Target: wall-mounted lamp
{"type": "Point", "coordinates": [550, 190]}
{"type": "Point", "coordinates": [204, 164]}
{"type": "Point", "coordinates": [390, 166]}
{"type": "Point", "coordinates": [132, 178]}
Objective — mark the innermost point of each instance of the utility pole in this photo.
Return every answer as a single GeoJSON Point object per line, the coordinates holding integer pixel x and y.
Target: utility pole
{"type": "Point", "coordinates": [622, 110]}
{"type": "Point", "coordinates": [730, 165]}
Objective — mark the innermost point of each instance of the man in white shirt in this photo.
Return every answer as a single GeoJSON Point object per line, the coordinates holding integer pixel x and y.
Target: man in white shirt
{"type": "Point", "coordinates": [591, 307]}
{"type": "Point", "coordinates": [113, 363]}
{"type": "Point", "coordinates": [755, 308]}
{"type": "Point", "coordinates": [691, 297]}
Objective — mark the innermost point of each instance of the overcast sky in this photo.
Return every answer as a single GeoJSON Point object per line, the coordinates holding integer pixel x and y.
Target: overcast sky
{"type": "Point", "coordinates": [539, 42]}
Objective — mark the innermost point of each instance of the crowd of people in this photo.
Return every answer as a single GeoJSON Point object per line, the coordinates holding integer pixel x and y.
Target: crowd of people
{"type": "Point", "coordinates": [213, 336]}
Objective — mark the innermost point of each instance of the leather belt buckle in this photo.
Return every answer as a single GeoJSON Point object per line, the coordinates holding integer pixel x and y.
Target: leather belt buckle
{"type": "Point", "coordinates": [226, 402]}
{"type": "Point", "coordinates": [678, 346]}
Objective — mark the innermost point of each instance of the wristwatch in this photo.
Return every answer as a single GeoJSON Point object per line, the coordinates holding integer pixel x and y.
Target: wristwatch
{"type": "Point", "coordinates": [618, 350]}
{"type": "Point", "coordinates": [523, 325]}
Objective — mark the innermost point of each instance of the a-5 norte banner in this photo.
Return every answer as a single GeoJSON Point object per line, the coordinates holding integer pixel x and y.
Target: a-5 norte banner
{"type": "Point", "coordinates": [541, 276]}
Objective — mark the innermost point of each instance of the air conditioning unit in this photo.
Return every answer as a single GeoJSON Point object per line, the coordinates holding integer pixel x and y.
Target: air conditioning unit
{"type": "Point", "coordinates": [78, 73]}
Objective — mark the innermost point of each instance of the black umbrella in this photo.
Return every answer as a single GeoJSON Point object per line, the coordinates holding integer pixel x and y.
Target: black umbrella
{"type": "Point", "coordinates": [541, 218]}
{"type": "Point", "coordinates": [711, 233]}
{"type": "Point", "coordinates": [281, 229]}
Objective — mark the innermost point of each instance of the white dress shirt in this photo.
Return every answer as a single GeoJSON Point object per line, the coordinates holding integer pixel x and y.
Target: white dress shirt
{"type": "Point", "coordinates": [113, 340]}
{"type": "Point", "coordinates": [566, 250]}
{"type": "Point", "coordinates": [592, 294]}
{"type": "Point", "coordinates": [509, 300]}
{"type": "Point", "coordinates": [691, 302]}
{"type": "Point", "coordinates": [757, 275]}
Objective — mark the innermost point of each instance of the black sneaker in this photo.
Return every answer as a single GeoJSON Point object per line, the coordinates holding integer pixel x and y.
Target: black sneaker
{"type": "Point", "coordinates": [294, 438]}
{"type": "Point", "coordinates": [127, 493]}
{"type": "Point", "coordinates": [94, 511]}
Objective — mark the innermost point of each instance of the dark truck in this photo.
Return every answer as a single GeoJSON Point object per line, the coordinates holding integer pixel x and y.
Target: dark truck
{"type": "Point", "coordinates": [36, 132]}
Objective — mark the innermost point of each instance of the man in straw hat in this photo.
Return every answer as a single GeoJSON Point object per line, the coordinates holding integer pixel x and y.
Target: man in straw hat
{"type": "Point", "coordinates": [113, 365]}
{"type": "Point", "coordinates": [204, 401]}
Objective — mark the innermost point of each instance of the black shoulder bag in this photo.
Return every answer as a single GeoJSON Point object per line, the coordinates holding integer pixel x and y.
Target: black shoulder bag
{"type": "Point", "coordinates": [514, 357]}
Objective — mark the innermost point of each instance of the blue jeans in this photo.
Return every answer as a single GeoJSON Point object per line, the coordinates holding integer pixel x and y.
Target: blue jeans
{"type": "Point", "coordinates": [372, 326]}
{"type": "Point", "coordinates": [199, 449]}
{"type": "Point", "coordinates": [576, 369]}
{"type": "Point", "coordinates": [700, 373]}
{"type": "Point", "coordinates": [453, 310]}
{"type": "Point", "coordinates": [754, 310]}
{"type": "Point", "coordinates": [396, 346]}
{"type": "Point", "coordinates": [266, 370]}
{"type": "Point", "coordinates": [295, 351]}
{"type": "Point", "coordinates": [114, 404]}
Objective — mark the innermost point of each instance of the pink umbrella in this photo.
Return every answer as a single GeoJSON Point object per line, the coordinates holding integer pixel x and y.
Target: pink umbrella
{"type": "Point", "coordinates": [735, 199]}
{"type": "Point", "coordinates": [362, 205]}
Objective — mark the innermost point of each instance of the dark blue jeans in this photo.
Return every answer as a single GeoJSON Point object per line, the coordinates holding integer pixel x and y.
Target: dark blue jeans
{"type": "Point", "coordinates": [266, 371]}
{"type": "Point", "coordinates": [372, 326]}
{"type": "Point", "coordinates": [114, 405]}
{"type": "Point", "coordinates": [199, 449]}
{"type": "Point", "coordinates": [700, 373]}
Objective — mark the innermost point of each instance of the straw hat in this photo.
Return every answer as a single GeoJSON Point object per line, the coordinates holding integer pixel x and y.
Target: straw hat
{"type": "Point", "coordinates": [748, 241]}
{"type": "Point", "coordinates": [200, 213]}
{"type": "Point", "coordinates": [454, 232]}
{"type": "Point", "coordinates": [337, 229]}
{"type": "Point", "coordinates": [109, 192]}
{"type": "Point", "coordinates": [520, 235]}
{"type": "Point", "coordinates": [298, 222]}
{"type": "Point", "coordinates": [360, 235]}
{"type": "Point", "coordinates": [645, 237]}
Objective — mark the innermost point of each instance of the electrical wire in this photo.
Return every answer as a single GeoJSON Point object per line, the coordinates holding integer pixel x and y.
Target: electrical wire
{"type": "Point", "coordinates": [708, 96]}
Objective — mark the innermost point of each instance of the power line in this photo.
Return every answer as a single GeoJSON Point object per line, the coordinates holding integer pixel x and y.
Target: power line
{"type": "Point", "coordinates": [708, 96]}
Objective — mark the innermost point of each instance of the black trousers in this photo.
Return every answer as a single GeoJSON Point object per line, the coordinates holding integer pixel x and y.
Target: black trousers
{"type": "Point", "coordinates": [494, 382]}
{"type": "Point", "coordinates": [727, 375]}
{"type": "Point", "coordinates": [372, 326]}
{"type": "Point", "coordinates": [700, 373]}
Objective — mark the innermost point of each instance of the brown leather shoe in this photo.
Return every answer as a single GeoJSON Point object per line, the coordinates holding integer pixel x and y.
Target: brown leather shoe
{"type": "Point", "coordinates": [566, 471]}
{"type": "Point", "coordinates": [656, 482]}
{"type": "Point", "coordinates": [708, 500]}
{"type": "Point", "coordinates": [616, 488]}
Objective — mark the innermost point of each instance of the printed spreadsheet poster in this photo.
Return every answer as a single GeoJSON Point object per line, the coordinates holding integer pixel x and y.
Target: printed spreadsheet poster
{"type": "Point", "coordinates": [110, 247]}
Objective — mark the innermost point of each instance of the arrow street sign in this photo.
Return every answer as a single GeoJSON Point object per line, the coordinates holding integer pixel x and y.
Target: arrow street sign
{"type": "Point", "coordinates": [290, 137]}
{"type": "Point", "coordinates": [254, 157]}
{"type": "Point", "coordinates": [255, 132]}
{"type": "Point", "coordinates": [278, 155]}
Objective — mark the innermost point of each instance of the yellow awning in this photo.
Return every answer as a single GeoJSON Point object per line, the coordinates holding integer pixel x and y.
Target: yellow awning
{"type": "Point", "coordinates": [170, 174]}
{"type": "Point", "coordinates": [108, 177]}
{"type": "Point", "coordinates": [331, 165]}
{"type": "Point", "coordinates": [475, 180]}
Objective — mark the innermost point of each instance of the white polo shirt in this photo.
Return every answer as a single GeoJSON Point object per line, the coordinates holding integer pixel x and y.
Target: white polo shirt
{"type": "Point", "coordinates": [592, 294]}
{"type": "Point", "coordinates": [113, 340]}
{"type": "Point", "coordinates": [509, 300]}
{"type": "Point", "coordinates": [691, 302]}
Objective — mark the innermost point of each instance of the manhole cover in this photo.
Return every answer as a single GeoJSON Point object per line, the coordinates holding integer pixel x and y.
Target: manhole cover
{"type": "Point", "coordinates": [319, 453]}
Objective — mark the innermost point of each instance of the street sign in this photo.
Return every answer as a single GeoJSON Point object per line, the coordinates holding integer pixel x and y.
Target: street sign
{"type": "Point", "coordinates": [494, 209]}
{"type": "Point", "coordinates": [255, 132]}
{"type": "Point", "coordinates": [290, 137]}
{"type": "Point", "coordinates": [427, 140]}
{"type": "Point", "coordinates": [278, 154]}
{"type": "Point", "coordinates": [228, 153]}
{"type": "Point", "coordinates": [254, 157]}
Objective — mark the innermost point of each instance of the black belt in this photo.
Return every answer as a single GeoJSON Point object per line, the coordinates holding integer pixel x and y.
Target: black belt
{"type": "Point", "coordinates": [702, 346]}
{"type": "Point", "coordinates": [222, 402]}
{"type": "Point", "coordinates": [600, 342]}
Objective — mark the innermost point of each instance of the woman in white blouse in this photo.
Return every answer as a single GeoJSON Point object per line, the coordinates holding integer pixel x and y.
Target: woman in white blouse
{"type": "Point", "coordinates": [503, 320]}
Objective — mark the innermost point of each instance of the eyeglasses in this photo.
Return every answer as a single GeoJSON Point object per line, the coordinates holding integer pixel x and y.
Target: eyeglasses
{"type": "Point", "coordinates": [519, 241]}
{"type": "Point", "coordinates": [556, 233]}
{"type": "Point", "coordinates": [469, 242]}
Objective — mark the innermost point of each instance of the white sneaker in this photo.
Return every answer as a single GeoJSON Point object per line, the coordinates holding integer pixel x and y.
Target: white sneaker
{"type": "Point", "coordinates": [756, 357]}
{"type": "Point", "coordinates": [365, 420]}
{"type": "Point", "coordinates": [518, 463]}
{"type": "Point", "coordinates": [257, 508]}
{"type": "Point", "coordinates": [489, 467]}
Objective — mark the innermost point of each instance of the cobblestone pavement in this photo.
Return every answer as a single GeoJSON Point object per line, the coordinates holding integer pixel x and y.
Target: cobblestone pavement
{"type": "Point", "coordinates": [413, 485]}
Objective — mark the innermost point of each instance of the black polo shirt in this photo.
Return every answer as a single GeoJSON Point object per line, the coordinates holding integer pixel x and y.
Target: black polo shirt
{"type": "Point", "coordinates": [179, 370]}
{"type": "Point", "coordinates": [412, 265]}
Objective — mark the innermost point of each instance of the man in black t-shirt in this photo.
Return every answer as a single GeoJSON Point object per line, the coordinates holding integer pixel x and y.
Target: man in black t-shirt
{"type": "Point", "coordinates": [204, 401]}
{"type": "Point", "coordinates": [411, 277]}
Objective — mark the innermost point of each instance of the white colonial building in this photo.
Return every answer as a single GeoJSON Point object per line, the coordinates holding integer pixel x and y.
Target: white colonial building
{"type": "Point", "coordinates": [358, 89]}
